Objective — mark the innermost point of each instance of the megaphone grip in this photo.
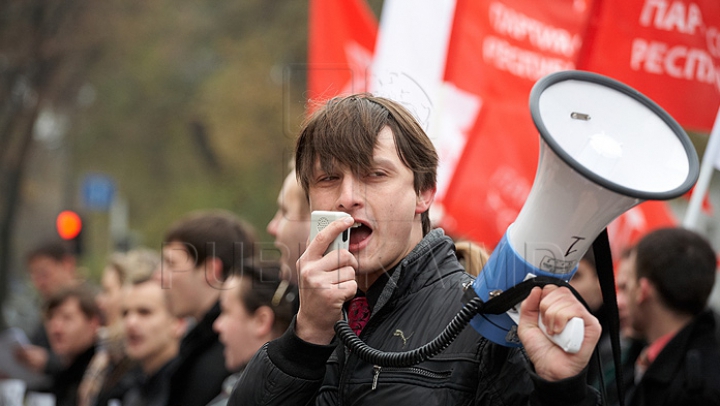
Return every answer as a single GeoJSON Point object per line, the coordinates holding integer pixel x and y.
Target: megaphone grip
{"type": "Point", "coordinates": [571, 338]}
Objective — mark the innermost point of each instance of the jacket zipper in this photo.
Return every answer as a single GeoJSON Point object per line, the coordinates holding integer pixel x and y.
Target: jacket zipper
{"type": "Point", "coordinates": [419, 371]}
{"type": "Point", "coordinates": [376, 375]}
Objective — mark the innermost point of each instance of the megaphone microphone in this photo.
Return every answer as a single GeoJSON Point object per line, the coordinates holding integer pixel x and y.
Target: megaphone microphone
{"type": "Point", "coordinates": [604, 149]}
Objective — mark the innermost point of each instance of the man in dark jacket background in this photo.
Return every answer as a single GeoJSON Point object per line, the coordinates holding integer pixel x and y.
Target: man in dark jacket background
{"type": "Point", "coordinates": [198, 254]}
{"type": "Point", "coordinates": [368, 157]}
{"type": "Point", "coordinates": [72, 319]}
{"type": "Point", "coordinates": [665, 288]}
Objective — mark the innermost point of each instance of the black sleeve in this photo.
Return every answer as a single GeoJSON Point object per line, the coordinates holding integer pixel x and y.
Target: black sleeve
{"type": "Point", "coordinates": [569, 391]}
{"type": "Point", "coordinates": [508, 378]}
{"type": "Point", "coordinates": [285, 371]}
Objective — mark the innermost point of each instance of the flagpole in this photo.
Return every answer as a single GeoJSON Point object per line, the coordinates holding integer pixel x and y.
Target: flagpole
{"type": "Point", "coordinates": [711, 155]}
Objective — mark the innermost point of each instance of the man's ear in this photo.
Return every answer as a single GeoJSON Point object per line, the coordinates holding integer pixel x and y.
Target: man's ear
{"type": "Point", "coordinates": [424, 200]}
{"type": "Point", "coordinates": [213, 268]}
{"type": "Point", "coordinates": [263, 319]}
{"type": "Point", "coordinates": [95, 323]}
{"type": "Point", "coordinates": [179, 327]}
{"type": "Point", "coordinates": [646, 290]}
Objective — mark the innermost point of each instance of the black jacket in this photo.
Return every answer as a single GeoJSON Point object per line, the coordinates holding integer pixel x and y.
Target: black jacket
{"type": "Point", "coordinates": [66, 382]}
{"type": "Point", "coordinates": [687, 370]}
{"type": "Point", "coordinates": [150, 390]}
{"type": "Point", "coordinates": [200, 369]}
{"type": "Point", "coordinates": [416, 304]}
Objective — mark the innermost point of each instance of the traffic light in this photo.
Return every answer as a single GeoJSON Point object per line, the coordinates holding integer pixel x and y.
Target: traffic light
{"type": "Point", "coordinates": [69, 227]}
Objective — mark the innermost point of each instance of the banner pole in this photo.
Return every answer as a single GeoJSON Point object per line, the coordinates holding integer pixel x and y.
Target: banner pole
{"type": "Point", "coordinates": [710, 157]}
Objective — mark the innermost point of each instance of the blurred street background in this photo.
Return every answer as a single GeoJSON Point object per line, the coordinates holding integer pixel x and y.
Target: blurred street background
{"type": "Point", "coordinates": [134, 112]}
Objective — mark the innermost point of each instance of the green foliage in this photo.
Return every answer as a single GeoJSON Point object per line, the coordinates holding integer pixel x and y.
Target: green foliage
{"type": "Point", "coordinates": [190, 110]}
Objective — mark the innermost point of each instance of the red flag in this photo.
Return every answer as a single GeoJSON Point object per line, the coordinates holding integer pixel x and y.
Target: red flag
{"type": "Point", "coordinates": [341, 45]}
{"type": "Point", "coordinates": [669, 50]}
{"type": "Point", "coordinates": [497, 51]}
{"type": "Point", "coordinates": [638, 221]}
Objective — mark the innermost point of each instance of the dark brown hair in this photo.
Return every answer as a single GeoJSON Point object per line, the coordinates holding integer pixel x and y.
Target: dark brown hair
{"type": "Point", "coordinates": [84, 295]}
{"type": "Point", "coordinates": [344, 132]}
{"type": "Point", "coordinates": [56, 250]}
{"type": "Point", "coordinates": [681, 264]}
{"type": "Point", "coordinates": [268, 288]}
{"type": "Point", "coordinates": [217, 234]}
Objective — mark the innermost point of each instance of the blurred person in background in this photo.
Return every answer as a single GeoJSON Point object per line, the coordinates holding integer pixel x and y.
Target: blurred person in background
{"type": "Point", "coordinates": [291, 227]}
{"type": "Point", "coordinates": [152, 339]}
{"type": "Point", "coordinates": [291, 224]}
{"type": "Point", "coordinates": [199, 251]}
{"type": "Point", "coordinates": [472, 256]}
{"type": "Point", "coordinates": [108, 375]}
{"type": "Point", "coordinates": [71, 320]}
{"type": "Point", "coordinates": [665, 287]}
{"type": "Point", "coordinates": [51, 266]}
{"type": "Point", "coordinates": [587, 283]}
{"type": "Point", "coordinates": [257, 306]}
{"type": "Point", "coordinates": [631, 343]}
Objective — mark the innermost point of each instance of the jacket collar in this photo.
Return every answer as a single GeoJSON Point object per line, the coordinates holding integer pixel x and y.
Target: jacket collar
{"type": "Point", "coordinates": [202, 334]}
{"type": "Point", "coordinates": [422, 266]}
{"type": "Point", "coordinates": [664, 368]}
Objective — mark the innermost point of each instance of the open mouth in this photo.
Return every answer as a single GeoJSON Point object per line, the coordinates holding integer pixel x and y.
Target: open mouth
{"type": "Point", "coordinates": [359, 232]}
{"type": "Point", "coordinates": [133, 340]}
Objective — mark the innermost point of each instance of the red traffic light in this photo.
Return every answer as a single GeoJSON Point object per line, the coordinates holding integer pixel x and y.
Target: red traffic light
{"type": "Point", "coordinates": [68, 225]}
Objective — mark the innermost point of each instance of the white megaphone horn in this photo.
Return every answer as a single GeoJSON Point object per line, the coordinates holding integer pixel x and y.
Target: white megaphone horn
{"type": "Point", "coordinates": [605, 148]}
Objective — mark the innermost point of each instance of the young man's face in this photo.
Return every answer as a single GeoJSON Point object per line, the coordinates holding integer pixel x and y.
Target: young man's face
{"type": "Point", "coordinates": [109, 299]}
{"type": "Point", "coordinates": [586, 282]}
{"type": "Point", "coordinates": [69, 330]}
{"type": "Point", "coordinates": [182, 279]}
{"type": "Point", "coordinates": [627, 286]}
{"type": "Point", "coordinates": [238, 329]}
{"type": "Point", "coordinates": [383, 201]}
{"type": "Point", "coordinates": [291, 225]}
{"type": "Point", "coordinates": [150, 329]}
{"type": "Point", "coordinates": [49, 275]}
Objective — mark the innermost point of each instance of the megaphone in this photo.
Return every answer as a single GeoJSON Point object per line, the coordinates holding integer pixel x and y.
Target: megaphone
{"type": "Point", "coordinates": [604, 149]}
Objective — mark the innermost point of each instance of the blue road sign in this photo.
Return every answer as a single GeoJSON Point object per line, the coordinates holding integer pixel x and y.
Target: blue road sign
{"type": "Point", "coordinates": [98, 191]}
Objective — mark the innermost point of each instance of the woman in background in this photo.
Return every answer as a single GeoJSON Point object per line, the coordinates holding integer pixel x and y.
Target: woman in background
{"type": "Point", "coordinates": [109, 374]}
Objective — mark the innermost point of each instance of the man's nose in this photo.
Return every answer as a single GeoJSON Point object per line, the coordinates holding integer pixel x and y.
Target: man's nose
{"type": "Point", "coordinates": [273, 224]}
{"type": "Point", "coordinates": [54, 326]}
{"type": "Point", "coordinates": [350, 195]}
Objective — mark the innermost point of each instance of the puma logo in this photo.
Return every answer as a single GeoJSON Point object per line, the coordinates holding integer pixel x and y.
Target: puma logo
{"type": "Point", "coordinates": [399, 333]}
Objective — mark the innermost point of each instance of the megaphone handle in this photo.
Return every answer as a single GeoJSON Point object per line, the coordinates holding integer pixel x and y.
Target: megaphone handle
{"type": "Point", "coordinates": [571, 338]}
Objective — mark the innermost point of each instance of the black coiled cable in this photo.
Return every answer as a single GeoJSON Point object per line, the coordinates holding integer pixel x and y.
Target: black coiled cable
{"type": "Point", "coordinates": [473, 306]}
{"type": "Point", "coordinates": [407, 358]}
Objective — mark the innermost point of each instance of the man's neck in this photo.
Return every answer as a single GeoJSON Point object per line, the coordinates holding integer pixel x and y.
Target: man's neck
{"type": "Point", "coordinates": [206, 304]}
{"type": "Point", "coordinates": [365, 281]}
{"type": "Point", "coordinates": [663, 322]}
{"type": "Point", "coordinates": [153, 363]}
{"type": "Point", "coordinates": [69, 359]}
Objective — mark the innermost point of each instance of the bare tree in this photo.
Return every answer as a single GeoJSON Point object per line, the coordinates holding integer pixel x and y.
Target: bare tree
{"type": "Point", "coordinates": [46, 47]}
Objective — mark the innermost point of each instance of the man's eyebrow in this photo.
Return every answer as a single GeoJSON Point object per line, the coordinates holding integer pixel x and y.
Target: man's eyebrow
{"type": "Point", "coordinates": [384, 162]}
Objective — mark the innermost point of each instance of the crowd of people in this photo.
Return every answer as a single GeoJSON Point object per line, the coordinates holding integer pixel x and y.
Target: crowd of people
{"type": "Point", "coordinates": [205, 321]}
{"type": "Point", "coordinates": [169, 327]}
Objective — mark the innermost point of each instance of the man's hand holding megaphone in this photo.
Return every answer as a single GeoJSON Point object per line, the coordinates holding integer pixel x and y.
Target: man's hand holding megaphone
{"type": "Point", "coordinates": [555, 306]}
